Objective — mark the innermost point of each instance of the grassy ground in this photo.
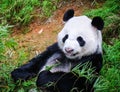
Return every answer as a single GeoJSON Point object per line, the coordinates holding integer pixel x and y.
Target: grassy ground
{"type": "Point", "coordinates": [17, 13]}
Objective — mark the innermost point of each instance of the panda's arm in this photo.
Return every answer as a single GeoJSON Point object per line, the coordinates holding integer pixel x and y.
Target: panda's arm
{"type": "Point", "coordinates": [31, 69]}
{"type": "Point", "coordinates": [97, 62]}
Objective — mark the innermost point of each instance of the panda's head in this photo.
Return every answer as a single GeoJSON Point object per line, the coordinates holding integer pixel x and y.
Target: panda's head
{"type": "Point", "coordinates": [80, 35]}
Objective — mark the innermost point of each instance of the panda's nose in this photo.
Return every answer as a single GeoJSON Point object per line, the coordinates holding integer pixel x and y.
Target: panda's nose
{"type": "Point", "coordinates": [68, 50]}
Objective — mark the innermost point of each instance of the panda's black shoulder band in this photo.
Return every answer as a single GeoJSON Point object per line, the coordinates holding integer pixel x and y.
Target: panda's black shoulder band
{"type": "Point", "coordinates": [68, 14]}
{"type": "Point", "coordinates": [53, 48]}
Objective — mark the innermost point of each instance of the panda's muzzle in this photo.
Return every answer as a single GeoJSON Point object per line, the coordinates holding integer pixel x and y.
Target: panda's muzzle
{"type": "Point", "coordinates": [70, 52]}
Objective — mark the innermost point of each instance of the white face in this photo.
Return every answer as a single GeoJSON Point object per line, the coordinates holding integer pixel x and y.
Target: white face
{"type": "Point", "coordinates": [79, 38]}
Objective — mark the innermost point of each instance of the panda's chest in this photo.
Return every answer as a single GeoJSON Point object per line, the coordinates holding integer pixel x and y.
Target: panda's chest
{"type": "Point", "coordinates": [56, 63]}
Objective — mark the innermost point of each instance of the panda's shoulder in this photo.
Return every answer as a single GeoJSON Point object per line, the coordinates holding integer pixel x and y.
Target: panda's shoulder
{"type": "Point", "coordinates": [54, 47]}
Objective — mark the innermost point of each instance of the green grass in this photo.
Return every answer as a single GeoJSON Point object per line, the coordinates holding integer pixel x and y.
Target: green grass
{"type": "Point", "coordinates": [10, 58]}
{"type": "Point", "coordinates": [17, 12]}
{"type": "Point", "coordinates": [7, 46]}
{"type": "Point", "coordinates": [48, 6]}
{"type": "Point", "coordinates": [21, 12]}
{"type": "Point", "coordinates": [6, 43]}
{"type": "Point", "coordinates": [86, 71]}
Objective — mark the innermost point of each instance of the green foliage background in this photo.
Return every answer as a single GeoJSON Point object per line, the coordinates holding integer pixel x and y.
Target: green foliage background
{"type": "Point", "coordinates": [21, 12]}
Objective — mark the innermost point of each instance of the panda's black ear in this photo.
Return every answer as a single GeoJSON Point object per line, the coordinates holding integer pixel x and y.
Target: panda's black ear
{"type": "Point", "coordinates": [98, 23]}
{"type": "Point", "coordinates": [68, 14]}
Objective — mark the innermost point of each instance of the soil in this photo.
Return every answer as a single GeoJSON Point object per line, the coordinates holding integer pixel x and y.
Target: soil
{"type": "Point", "coordinates": [45, 33]}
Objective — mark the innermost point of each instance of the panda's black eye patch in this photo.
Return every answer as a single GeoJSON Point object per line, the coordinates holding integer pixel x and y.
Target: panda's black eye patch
{"type": "Point", "coordinates": [80, 41]}
{"type": "Point", "coordinates": [65, 38]}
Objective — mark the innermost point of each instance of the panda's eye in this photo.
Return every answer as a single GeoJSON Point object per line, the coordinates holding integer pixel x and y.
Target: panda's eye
{"type": "Point", "coordinates": [65, 38]}
{"type": "Point", "coordinates": [80, 41]}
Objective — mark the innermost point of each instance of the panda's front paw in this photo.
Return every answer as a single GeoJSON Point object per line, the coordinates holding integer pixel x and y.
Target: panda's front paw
{"type": "Point", "coordinates": [19, 74]}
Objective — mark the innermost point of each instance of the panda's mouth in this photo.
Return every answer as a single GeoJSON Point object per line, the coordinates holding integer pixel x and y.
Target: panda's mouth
{"type": "Point", "coordinates": [75, 54]}
{"type": "Point", "coordinates": [71, 54]}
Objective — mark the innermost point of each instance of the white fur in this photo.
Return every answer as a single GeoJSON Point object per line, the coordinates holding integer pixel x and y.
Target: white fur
{"type": "Point", "coordinates": [55, 65]}
{"type": "Point", "coordinates": [80, 26]}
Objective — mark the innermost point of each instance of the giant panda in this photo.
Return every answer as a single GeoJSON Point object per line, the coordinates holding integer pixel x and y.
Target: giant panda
{"type": "Point", "coordinates": [78, 42]}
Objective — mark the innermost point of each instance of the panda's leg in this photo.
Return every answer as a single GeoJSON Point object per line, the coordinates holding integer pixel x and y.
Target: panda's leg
{"type": "Point", "coordinates": [28, 70]}
{"type": "Point", "coordinates": [46, 80]}
{"type": "Point", "coordinates": [63, 82]}
{"type": "Point", "coordinates": [31, 69]}
{"type": "Point", "coordinates": [72, 83]}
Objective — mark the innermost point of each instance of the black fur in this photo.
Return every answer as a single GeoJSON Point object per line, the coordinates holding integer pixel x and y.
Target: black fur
{"type": "Point", "coordinates": [65, 38]}
{"type": "Point", "coordinates": [98, 23]}
{"type": "Point", "coordinates": [63, 82]}
{"type": "Point", "coordinates": [68, 14]}
{"type": "Point", "coordinates": [34, 65]}
{"type": "Point", "coordinates": [80, 41]}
